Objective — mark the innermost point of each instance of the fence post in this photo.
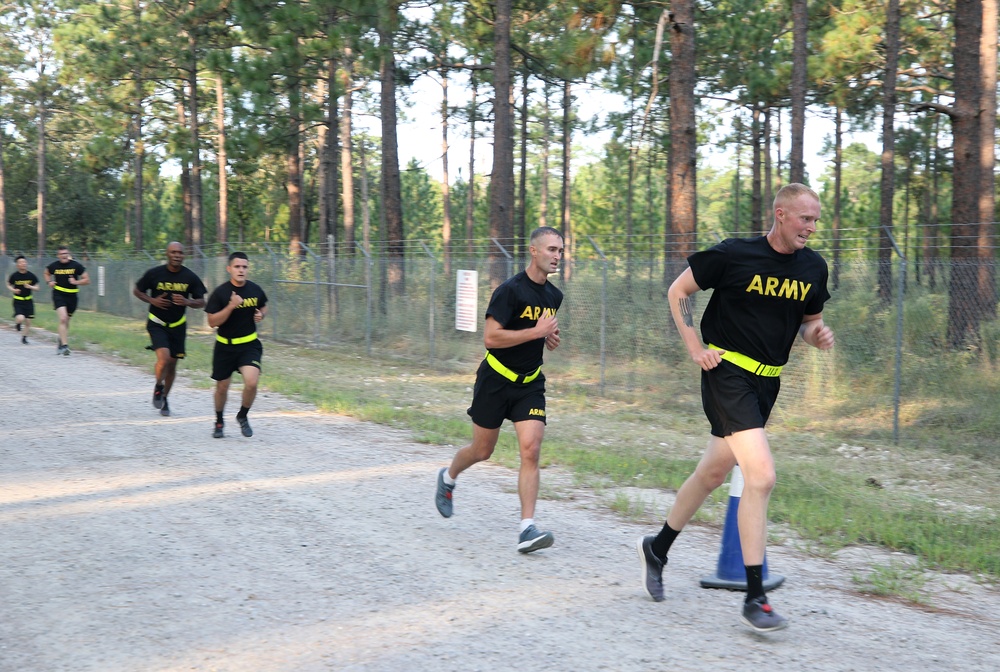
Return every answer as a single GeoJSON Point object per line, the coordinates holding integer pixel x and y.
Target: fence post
{"type": "Point", "coordinates": [368, 298]}
{"type": "Point", "coordinates": [431, 303]}
{"type": "Point", "coordinates": [604, 305]}
{"type": "Point", "coordinates": [510, 259]}
{"type": "Point", "coordinates": [317, 291]}
{"type": "Point", "coordinates": [899, 337]}
{"type": "Point", "coordinates": [274, 278]}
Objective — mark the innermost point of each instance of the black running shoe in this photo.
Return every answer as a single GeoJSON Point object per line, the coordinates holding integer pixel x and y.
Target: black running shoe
{"type": "Point", "coordinates": [761, 616]}
{"type": "Point", "coordinates": [652, 567]}
{"type": "Point", "coordinates": [158, 396]}
{"type": "Point", "coordinates": [442, 497]}
{"type": "Point", "coordinates": [244, 426]}
{"type": "Point", "coordinates": [65, 350]}
{"type": "Point", "coordinates": [533, 539]}
{"type": "Point", "coordinates": [218, 431]}
{"type": "Point", "coordinates": [24, 339]}
{"type": "Point", "coordinates": [165, 409]}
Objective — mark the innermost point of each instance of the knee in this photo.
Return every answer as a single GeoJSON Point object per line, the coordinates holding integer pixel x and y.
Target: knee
{"type": "Point", "coordinates": [711, 476]}
{"type": "Point", "coordinates": [760, 479]}
{"type": "Point", "coordinates": [530, 452]}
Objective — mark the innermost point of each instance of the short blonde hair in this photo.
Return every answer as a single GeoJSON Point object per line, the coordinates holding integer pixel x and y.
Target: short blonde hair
{"type": "Point", "coordinates": [790, 192]}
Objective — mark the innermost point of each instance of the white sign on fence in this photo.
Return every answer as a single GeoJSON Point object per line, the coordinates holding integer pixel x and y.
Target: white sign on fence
{"type": "Point", "coordinates": [467, 300]}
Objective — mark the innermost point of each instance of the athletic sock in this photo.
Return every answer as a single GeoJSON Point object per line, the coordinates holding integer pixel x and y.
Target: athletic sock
{"type": "Point", "coordinates": [218, 417]}
{"type": "Point", "coordinates": [243, 412]}
{"type": "Point", "coordinates": [526, 523]}
{"type": "Point", "coordinates": [664, 540]}
{"type": "Point", "coordinates": [755, 581]}
{"type": "Point", "coordinates": [446, 477]}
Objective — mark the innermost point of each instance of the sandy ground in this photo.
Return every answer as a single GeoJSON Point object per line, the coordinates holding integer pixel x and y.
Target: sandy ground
{"type": "Point", "coordinates": [131, 542]}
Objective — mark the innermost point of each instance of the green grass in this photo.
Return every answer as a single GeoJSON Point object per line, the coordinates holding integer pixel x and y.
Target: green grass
{"type": "Point", "coordinates": [937, 505]}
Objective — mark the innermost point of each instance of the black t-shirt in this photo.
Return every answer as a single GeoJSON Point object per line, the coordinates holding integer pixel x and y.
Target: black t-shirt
{"type": "Point", "coordinates": [517, 304]}
{"type": "Point", "coordinates": [62, 272]}
{"type": "Point", "coordinates": [160, 280]}
{"type": "Point", "coordinates": [21, 281]}
{"type": "Point", "coordinates": [760, 296]}
{"type": "Point", "coordinates": [240, 322]}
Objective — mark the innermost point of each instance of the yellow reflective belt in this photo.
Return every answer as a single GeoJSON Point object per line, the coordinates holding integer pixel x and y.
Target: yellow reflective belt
{"type": "Point", "coordinates": [154, 318]}
{"type": "Point", "coordinates": [508, 374]}
{"type": "Point", "coordinates": [22, 298]}
{"type": "Point", "coordinates": [748, 363]}
{"type": "Point", "coordinates": [74, 290]}
{"type": "Point", "coordinates": [236, 341]}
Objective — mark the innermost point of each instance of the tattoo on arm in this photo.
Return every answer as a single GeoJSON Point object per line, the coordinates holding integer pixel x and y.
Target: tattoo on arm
{"type": "Point", "coordinates": [685, 306]}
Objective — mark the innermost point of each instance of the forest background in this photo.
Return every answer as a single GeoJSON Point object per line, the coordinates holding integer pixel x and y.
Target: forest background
{"type": "Point", "coordinates": [127, 124]}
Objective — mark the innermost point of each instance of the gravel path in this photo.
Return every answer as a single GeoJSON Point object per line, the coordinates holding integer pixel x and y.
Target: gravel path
{"type": "Point", "coordinates": [131, 542]}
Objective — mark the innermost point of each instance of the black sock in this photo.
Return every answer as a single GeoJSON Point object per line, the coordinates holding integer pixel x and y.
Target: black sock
{"type": "Point", "coordinates": [243, 412]}
{"type": "Point", "coordinates": [218, 417]}
{"type": "Point", "coordinates": [755, 581]}
{"type": "Point", "coordinates": [663, 541]}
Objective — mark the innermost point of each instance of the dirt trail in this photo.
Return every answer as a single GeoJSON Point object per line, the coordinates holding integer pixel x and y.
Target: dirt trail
{"type": "Point", "coordinates": [131, 542]}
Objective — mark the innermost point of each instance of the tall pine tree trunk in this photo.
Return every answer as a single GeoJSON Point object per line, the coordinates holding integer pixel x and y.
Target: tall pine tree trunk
{"type": "Point", "coordinates": [42, 184]}
{"type": "Point", "coordinates": [502, 179]}
{"type": "Point", "coordinates": [445, 178]}
{"type": "Point", "coordinates": [293, 169]}
{"type": "Point", "coordinates": [222, 220]}
{"type": "Point", "coordinates": [838, 172]}
{"type": "Point", "coordinates": [884, 281]}
{"type": "Point", "coordinates": [543, 197]}
{"type": "Point", "coordinates": [757, 216]}
{"type": "Point", "coordinates": [566, 267]}
{"type": "Point", "coordinates": [346, 151]}
{"type": "Point", "coordinates": [963, 311]}
{"type": "Point", "coordinates": [470, 196]}
{"type": "Point", "coordinates": [197, 220]}
{"type": "Point", "coordinates": [392, 206]}
{"type": "Point", "coordinates": [683, 130]}
{"type": "Point", "coordinates": [520, 233]}
{"type": "Point", "coordinates": [800, 55]}
{"type": "Point", "coordinates": [987, 163]}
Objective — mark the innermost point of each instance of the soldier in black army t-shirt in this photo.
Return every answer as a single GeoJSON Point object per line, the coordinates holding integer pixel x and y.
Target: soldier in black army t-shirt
{"type": "Point", "coordinates": [65, 276]}
{"type": "Point", "coordinates": [766, 291]}
{"type": "Point", "coordinates": [21, 284]}
{"type": "Point", "coordinates": [169, 289]}
{"type": "Point", "coordinates": [235, 307]}
{"type": "Point", "coordinates": [520, 324]}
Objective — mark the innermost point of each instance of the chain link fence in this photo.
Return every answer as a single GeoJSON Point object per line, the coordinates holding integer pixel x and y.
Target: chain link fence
{"type": "Point", "coordinates": [891, 376]}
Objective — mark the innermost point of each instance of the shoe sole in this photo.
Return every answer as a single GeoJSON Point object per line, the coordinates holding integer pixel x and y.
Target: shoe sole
{"type": "Point", "coordinates": [446, 512]}
{"type": "Point", "coordinates": [780, 626]}
{"type": "Point", "coordinates": [645, 570]}
{"type": "Point", "coordinates": [536, 544]}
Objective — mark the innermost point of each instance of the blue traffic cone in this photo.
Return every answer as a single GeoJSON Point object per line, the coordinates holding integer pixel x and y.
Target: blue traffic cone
{"type": "Point", "coordinates": [730, 573]}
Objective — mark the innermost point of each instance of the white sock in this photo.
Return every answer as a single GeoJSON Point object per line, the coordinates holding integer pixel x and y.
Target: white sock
{"type": "Point", "coordinates": [526, 523]}
{"type": "Point", "coordinates": [446, 477]}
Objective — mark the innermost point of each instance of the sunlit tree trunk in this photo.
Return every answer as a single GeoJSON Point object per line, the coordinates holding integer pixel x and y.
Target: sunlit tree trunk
{"type": "Point", "coordinates": [888, 183]}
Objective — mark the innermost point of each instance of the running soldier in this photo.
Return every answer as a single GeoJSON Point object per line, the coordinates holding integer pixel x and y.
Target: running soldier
{"type": "Point", "coordinates": [235, 307]}
{"type": "Point", "coordinates": [65, 276]}
{"type": "Point", "coordinates": [767, 290]}
{"type": "Point", "coordinates": [21, 284]}
{"type": "Point", "coordinates": [520, 323]}
{"type": "Point", "coordinates": [169, 289]}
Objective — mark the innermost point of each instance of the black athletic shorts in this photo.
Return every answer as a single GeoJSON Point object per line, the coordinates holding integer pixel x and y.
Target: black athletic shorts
{"type": "Point", "coordinates": [24, 307]}
{"type": "Point", "coordinates": [172, 338]}
{"type": "Point", "coordinates": [227, 359]}
{"type": "Point", "coordinates": [494, 398]}
{"type": "Point", "coordinates": [65, 300]}
{"type": "Point", "coordinates": [735, 399]}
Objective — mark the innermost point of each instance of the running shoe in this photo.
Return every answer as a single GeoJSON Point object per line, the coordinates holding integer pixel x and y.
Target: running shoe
{"type": "Point", "coordinates": [59, 349]}
{"type": "Point", "coordinates": [165, 408]}
{"type": "Point", "coordinates": [18, 326]}
{"type": "Point", "coordinates": [652, 567]}
{"type": "Point", "coordinates": [761, 616]}
{"type": "Point", "coordinates": [442, 498]}
{"type": "Point", "coordinates": [533, 539]}
{"type": "Point", "coordinates": [218, 431]}
{"type": "Point", "coordinates": [158, 396]}
{"type": "Point", "coordinates": [65, 350]}
{"type": "Point", "coordinates": [244, 426]}
{"type": "Point", "coordinates": [24, 339]}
